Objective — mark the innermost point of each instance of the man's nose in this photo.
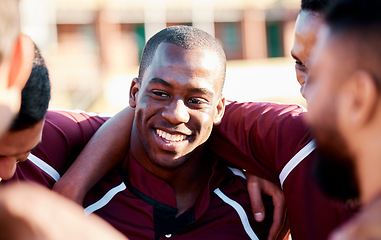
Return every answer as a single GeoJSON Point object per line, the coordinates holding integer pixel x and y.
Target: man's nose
{"type": "Point", "coordinates": [176, 112]}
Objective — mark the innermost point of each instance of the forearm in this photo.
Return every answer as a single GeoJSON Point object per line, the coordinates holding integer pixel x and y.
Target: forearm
{"type": "Point", "coordinates": [26, 213]}
{"type": "Point", "coordinates": [103, 152]}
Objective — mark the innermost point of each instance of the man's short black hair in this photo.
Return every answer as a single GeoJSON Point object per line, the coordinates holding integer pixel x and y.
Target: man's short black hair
{"type": "Point", "coordinates": [359, 22]}
{"type": "Point", "coordinates": [315, 5]}
{"type": "Point", "coordinates": [186, 37]}
{"type": "Point", "coordinates": [351, 14]}
{"type": "Point", "coordinates": [35, 95]}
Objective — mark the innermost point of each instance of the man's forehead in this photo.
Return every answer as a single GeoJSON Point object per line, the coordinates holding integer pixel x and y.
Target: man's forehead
{"type": "Point", "coordinates": [308, 21]}
{"type": "Point", "coordinates": [169, 52]}
{"type": "Point", "coordinates": [169, 56]}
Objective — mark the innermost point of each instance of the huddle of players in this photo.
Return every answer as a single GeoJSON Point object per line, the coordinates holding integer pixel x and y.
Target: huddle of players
{"type": "Point", "coordinates": [349, 97]}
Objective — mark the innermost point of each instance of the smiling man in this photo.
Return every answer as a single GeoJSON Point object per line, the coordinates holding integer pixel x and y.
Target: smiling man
{"type": "Point", "coordinates": [168, 186]}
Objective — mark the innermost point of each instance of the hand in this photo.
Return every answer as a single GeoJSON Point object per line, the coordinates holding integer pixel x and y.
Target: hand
{"type": "Point", "coordinates": [256, 186]}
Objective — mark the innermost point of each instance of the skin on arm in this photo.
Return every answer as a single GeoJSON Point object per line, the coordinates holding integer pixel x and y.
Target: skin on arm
{"type": "Point", "coordinates": [29, 211]}
{"type": "Point", "coordinates": [110, 144]}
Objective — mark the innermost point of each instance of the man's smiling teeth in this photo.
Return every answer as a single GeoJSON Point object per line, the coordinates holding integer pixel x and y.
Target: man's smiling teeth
{"type": "Point", "coordinates": [170, 137]}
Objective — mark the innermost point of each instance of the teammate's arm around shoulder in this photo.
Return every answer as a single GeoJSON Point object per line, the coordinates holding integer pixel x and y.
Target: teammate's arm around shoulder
{"type": "Point", "coordinates": [103, 152]}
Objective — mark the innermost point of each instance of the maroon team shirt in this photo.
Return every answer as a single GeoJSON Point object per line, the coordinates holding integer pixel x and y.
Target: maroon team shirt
{"type": "Point", "coordinates": [142, 206]}
{"type": "Point", "coordinates": [263, 138]}
{"type": "Point", "coordinates": [64, 135]}
{"type": "Point", "coordinates": [137, 203]}
{"type": "Point", "coordinates": [271, 140]}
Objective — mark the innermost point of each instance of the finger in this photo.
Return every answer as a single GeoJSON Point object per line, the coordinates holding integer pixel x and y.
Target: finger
{"type": "Point", "coordinates": [278, 215]}
{"type": "Point", "coordinates": [284, 233]}
{"type": "Point", "coordinates": [254, 190]}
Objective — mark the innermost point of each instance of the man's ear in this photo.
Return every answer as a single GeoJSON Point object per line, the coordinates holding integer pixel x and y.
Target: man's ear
{"type": "Point", "coordinates": [360, 98]}
{"type": "Point", "coordinates": [220, 111]}
{"type": "Point", "coordinates": [134, 89]}
{"type": "Point", "coordinates": [21, 62]}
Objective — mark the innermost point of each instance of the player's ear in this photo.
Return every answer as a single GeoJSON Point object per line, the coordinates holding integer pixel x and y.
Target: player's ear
{"type": "Point", "coordinates": [220, 111]}
{"type": "Point", "coordinates": [360, 99]}
{"type": "Point", "coordinates": [21, 62]}
{"type": "Point", "coordinates": [134, 89]}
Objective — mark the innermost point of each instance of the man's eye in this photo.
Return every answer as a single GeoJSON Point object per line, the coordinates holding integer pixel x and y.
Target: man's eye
{"type": "Point", "coordinates": [160, 94]}
{"type": "Point", "coordinates": [197, 101]}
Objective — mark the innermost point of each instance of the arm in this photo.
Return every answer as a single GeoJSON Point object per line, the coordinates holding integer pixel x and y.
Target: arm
{"type": "Point", "coordinates": [256, 137]}
{"type": "Point", "coordinates": [110, 143]}
{"type": "Point", "coordinates": [26, 212]}
{"type": "Point", "coordinates": [260, 137]}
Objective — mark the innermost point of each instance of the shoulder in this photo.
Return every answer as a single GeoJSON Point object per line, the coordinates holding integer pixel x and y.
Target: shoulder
{"type": "Point", "coordinates": [72, 124]}
{"type": "Point", "coordinates": [268, 110]}
{"type": "Point", "coordinates": [265, 121]}
{"type": "Point", "coordinates": [64, 135]}
{"type": "Point", "coordinates": [70, 117]}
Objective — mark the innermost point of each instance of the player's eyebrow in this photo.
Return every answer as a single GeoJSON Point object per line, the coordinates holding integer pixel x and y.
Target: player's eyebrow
{"type": "Point", "coordinates": [160, 81]}
{"type": "Point", "coordinates": [202, 90]}
{"type": "Point", "coordinates": [195, 90]}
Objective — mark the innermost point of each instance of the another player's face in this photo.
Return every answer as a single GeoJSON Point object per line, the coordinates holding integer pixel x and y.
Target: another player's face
{"type": "Point", "coordinates": [330, 69]}
{"type": "Point", "coordinates": [178, 103]}
{"type": "Point", "coordinates": [15, 147]}
{"type": "Point", "coordinates": [306, 28]}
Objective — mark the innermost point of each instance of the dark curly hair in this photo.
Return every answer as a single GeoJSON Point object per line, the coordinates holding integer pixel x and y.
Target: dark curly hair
{"type": "Point", "coordinates": [35, 95]}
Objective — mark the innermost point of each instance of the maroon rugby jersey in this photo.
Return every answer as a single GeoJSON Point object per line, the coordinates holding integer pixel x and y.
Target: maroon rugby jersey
{"type": "Point", "coordinates": [222, 212]}
{"type": "Point", "coordinates": [271, 140]}
{"type": "Point", "coordinates": [64, 135]}
{"type": "Point", "coordinates": [142, 206]}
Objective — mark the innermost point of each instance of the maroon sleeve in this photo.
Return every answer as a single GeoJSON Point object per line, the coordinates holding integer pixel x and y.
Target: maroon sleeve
{"type": "Point", "coordinates": [260, 137]}
{"type": "Point", "coordinates": [263, 138]}
{"type": "Point", "coordinates": [64, 135]}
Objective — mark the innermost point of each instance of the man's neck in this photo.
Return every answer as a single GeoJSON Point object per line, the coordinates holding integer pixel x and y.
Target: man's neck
{"type": "Point", "coordinates": [369, 178]}
{"type": "Point", "coordinates": [368, 163]}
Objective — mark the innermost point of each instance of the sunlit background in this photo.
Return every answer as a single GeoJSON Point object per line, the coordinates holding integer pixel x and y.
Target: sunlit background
{"type": "Point", "coordinates": [92, 47]}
